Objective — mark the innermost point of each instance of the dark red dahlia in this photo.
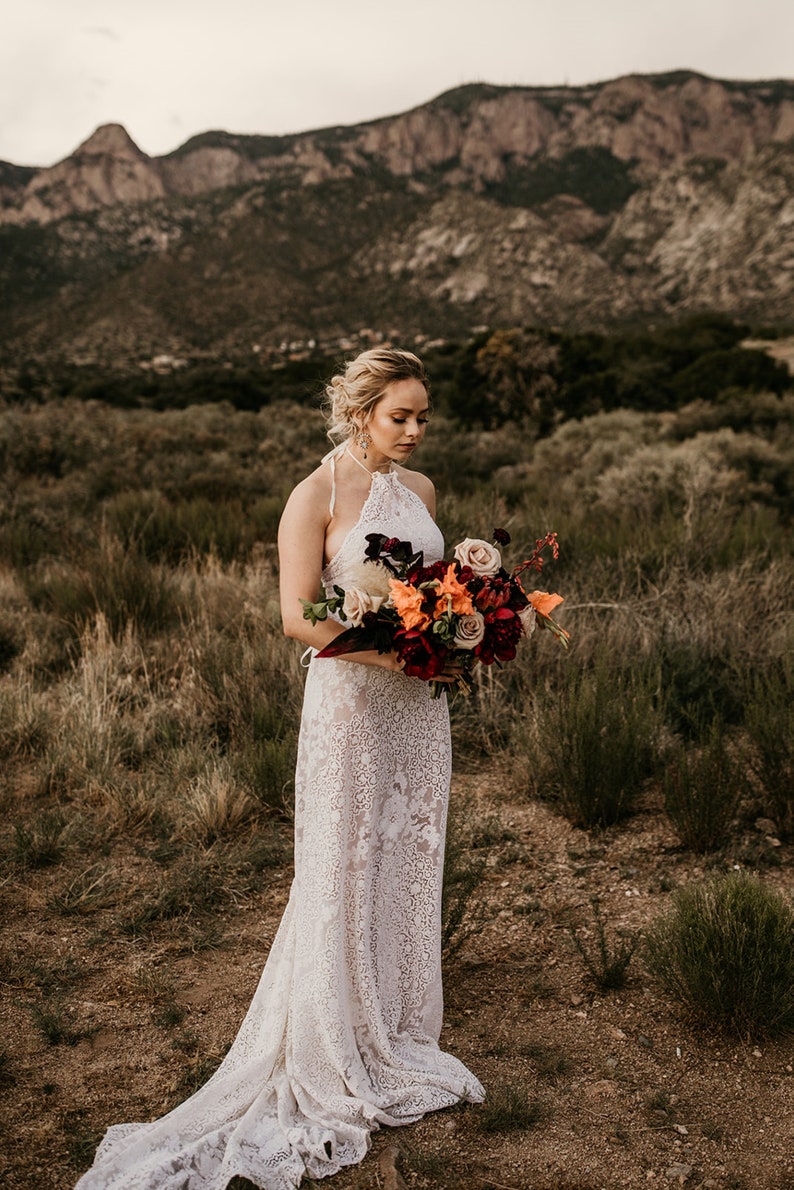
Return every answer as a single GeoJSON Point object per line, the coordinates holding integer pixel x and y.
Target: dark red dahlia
{"type": "Point", "coordinates": [503, 631]}
{"type": "Point", "coordinates": [420, 659]}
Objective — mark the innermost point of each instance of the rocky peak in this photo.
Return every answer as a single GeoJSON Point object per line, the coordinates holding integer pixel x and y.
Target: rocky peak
{"type": "Point", "coordinates": [110, 140]}
{"type": "Point", "coordinates": [105, 170]}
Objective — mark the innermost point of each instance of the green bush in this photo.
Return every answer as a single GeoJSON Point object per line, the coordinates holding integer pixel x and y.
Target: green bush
{"type": "Point", "coordinates": [175, 530]}
{"type": "Point", "coordinates": [726, 951]}
{"type": "Point", "coordinates": [702, 789]}
{"type": "Point", "coordinates": [119, 583]}
{"type": "Point", "coordinates": [769, 717]}
{"type": "Point", "coordinates": [599, 734]}
{"type": "Point", "coordinates": [700, 683]}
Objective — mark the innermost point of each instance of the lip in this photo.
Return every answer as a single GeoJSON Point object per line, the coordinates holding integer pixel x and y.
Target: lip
{"type": "Point", "coordinates": [407, 446]}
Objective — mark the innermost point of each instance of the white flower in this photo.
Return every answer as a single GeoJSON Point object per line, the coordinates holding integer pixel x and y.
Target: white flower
{"type": "Point", "coordinates": [484, 559]}
{"type": "Point", "coordinates": [372, 577]}
{"type": "Point", "coordinates": [357, 603]}
{"type": "Point", "coordinates": [470, 631]}
{"type": "Point", "coordinates": [528, 618]}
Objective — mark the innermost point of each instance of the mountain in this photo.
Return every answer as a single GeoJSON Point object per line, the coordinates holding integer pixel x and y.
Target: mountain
{"type": "Point", "coordinates": [643, 196]}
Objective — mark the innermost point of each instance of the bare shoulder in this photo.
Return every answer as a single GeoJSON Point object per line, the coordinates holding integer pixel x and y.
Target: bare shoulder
{"type": "Point", "coordinates": [312, 496]}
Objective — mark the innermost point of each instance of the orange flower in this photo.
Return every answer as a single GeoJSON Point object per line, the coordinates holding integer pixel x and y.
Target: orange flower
{"type": "Point", "coordinates": [408, 601]}
{"type": "Point", "coordinates": [543, 602]}
{"type": "Point", "coordinates": [458, 595]}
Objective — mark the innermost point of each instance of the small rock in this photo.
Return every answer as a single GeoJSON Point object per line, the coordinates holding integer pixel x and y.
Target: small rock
{"type": "Point", "coordinates": [766, 826]}
{"type": "Point", "coordinates": [471, 958]}
{"type": "Point", "coordinates": [603, 1089]}
{"type": "Point", "coordinates": [681, 1130]}
{"type": "Point", "coordinates": [618, 1034]}
{"type": "Point", "coordinates": [646, 1041]}
{"type": "Point", "coordinates": [576, 1000]}
{"type": "Point", "coordinates": [757, 1054]}
{"type": "Point", "coordinates": [678, 1173]}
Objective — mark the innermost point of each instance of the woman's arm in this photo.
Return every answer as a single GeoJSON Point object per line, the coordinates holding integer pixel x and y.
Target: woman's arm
{"type": "Point", "coordinates": [301, 548]}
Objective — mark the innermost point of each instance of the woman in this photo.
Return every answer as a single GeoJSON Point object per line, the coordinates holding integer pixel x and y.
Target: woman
{"type": "Point", "coordinates": [342, 1034]}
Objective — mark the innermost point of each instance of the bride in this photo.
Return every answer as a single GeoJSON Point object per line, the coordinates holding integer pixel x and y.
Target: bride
{"type": "Point", "coordinates": [342, 1034]}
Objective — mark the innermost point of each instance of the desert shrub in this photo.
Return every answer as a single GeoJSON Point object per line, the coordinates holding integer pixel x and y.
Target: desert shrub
{"type": "Point", "coordinates": [701, 682]}
{"type": "Point", "coordinates": [725, 950]}
{"type": "Point", "coordinates": [119, 583]}
{"type": "Point", "coordinates": [702, 789]}
{"type": "Point", "coordinates": [606, 959]}
{"type": "Point", "coordinates": [175, 530]}
{"type": "Point", "coordinates": [598, 738]}
{"type": "Point", "coordinates": [737, 367]}
{"type": "Point", "coordinates": [769, 717]}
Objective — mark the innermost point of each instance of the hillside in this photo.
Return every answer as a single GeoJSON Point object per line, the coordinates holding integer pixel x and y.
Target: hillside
{"type": "Point", "coordinates": [576, 206]}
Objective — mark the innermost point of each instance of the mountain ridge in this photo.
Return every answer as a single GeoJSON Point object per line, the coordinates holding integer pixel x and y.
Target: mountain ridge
{"type": "Point", "coordinates": [645, 196]}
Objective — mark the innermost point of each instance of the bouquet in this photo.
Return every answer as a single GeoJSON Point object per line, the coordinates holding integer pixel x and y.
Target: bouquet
{"type": "Point", "coordinates": [466, 610]}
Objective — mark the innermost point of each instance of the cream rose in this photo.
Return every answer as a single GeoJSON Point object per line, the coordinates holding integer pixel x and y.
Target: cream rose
{"type": "Point", "coordinates": [357, 603]}
{"type": "Point", "coordinates": [470, 631]}
{"type": "Point", "coordinates": [528, 618]}
{"type": "Point", "coordinates": [484, 559]}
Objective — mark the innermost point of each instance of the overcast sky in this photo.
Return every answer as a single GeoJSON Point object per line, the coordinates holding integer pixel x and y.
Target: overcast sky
{"type": "Point", "coordinates": [167, 69]}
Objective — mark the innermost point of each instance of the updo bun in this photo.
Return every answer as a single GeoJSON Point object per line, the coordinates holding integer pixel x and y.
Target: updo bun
{"type": "Point", "coordinates": [350, 396]}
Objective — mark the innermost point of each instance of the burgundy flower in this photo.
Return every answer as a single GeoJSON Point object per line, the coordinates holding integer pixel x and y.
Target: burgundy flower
{"type": "Point", "coordinates": [420, 659]}
{"type": "Point", "coordinates": [503, 630]}
{"type": "Point", "coordinates": [501, 537]}
{"type": "Point", "coordinates": [426, 574]}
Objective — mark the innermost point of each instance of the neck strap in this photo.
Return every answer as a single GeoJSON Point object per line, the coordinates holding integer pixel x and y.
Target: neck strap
{"type": "Point", "coordinates": [377, 470]}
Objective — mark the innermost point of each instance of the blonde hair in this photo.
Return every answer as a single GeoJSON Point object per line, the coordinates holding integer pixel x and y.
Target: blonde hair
{"type": "Point", "coordinates": [351, 395]}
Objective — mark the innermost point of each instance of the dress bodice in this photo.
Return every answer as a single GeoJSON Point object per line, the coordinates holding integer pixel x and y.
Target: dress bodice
{"type": "Point", "coordinates": [395, 510]}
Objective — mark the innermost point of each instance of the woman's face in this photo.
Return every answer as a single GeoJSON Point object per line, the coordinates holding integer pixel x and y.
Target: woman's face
{"type": "Point", "coordinates": [398, 421]}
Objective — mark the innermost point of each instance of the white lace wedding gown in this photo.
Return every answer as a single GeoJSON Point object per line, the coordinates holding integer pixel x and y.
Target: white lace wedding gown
{"type": "Point", "coordinates": [342, 1034]}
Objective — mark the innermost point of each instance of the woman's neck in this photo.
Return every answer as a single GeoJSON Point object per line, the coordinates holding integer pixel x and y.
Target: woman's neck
{"type": "Point", "coordinates": [370, 466]}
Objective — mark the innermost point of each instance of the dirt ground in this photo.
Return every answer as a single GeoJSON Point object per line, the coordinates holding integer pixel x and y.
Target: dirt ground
{"type": "Point", "coordinates": [624, 1091]}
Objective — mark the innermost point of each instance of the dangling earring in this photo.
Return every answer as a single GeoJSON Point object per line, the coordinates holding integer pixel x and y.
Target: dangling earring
{"type": "Point", "coordinates": [363, 440]}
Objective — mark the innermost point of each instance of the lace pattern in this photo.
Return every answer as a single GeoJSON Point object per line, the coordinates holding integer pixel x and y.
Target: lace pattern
{"type": "Point", "coordinates": [342, 1033]}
